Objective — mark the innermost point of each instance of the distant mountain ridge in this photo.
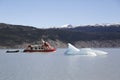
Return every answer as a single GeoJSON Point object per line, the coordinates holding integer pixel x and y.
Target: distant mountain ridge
{"type": "Point", "coordinates": [81, 36]}
{"type": "Point", "coordinates": [97, 28]}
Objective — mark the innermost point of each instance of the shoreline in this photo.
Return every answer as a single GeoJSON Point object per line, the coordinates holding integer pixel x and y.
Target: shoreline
{"type": "Point", "coordinates": [78, 44]}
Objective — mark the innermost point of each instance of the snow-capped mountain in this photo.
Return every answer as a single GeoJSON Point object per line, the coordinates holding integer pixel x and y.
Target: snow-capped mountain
{"type": "Point", "coordinates": [103, 24]}
{"type": "Point", "coordinates": [67, 26]}
{"type": "Point", "coordinates": [85, 25]}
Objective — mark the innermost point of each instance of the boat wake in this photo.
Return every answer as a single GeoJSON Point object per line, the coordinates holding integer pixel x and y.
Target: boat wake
{"type": "Point", "coordinates": [72, 50]}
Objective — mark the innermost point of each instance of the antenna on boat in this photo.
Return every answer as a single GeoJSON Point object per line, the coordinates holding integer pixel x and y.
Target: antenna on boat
{"type": "Point", "coordinates": [42, 41]}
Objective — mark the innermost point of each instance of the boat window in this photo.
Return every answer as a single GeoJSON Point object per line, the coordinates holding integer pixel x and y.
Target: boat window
{"type": "Point", "coordinates": [35, 48]}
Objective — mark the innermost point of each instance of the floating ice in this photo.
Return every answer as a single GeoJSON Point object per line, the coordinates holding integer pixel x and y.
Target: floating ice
{"type": "Point", "coordinates": [72, 50]}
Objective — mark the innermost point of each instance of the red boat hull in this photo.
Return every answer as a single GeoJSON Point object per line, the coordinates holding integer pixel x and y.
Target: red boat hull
{"type": "Point", "coordinates": [50, 50]}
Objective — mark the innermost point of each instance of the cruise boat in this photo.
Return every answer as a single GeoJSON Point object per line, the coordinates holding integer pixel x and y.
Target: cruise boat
{"type": "Point", "coordinates": [44, 47]}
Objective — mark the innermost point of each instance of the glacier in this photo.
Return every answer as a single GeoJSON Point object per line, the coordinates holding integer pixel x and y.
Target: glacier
{"type": "Point", "coordinates": [72, 50]}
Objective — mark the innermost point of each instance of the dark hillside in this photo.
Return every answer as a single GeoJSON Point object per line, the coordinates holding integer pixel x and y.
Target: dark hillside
{"type": "Point", "coordinates": [12, 35]}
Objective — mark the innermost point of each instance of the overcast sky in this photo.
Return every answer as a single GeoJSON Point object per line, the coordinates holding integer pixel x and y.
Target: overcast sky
{"type": "Point", "coordinates": [49, 13]}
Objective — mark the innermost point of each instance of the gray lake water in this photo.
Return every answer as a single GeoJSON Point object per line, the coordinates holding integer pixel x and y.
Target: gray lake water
{"type": "Point", "coordinates": [57, 66]}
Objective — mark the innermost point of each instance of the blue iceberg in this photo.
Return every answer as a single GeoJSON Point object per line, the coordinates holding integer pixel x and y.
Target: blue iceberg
{"type": "Point", "coordinates": [72, 50]}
